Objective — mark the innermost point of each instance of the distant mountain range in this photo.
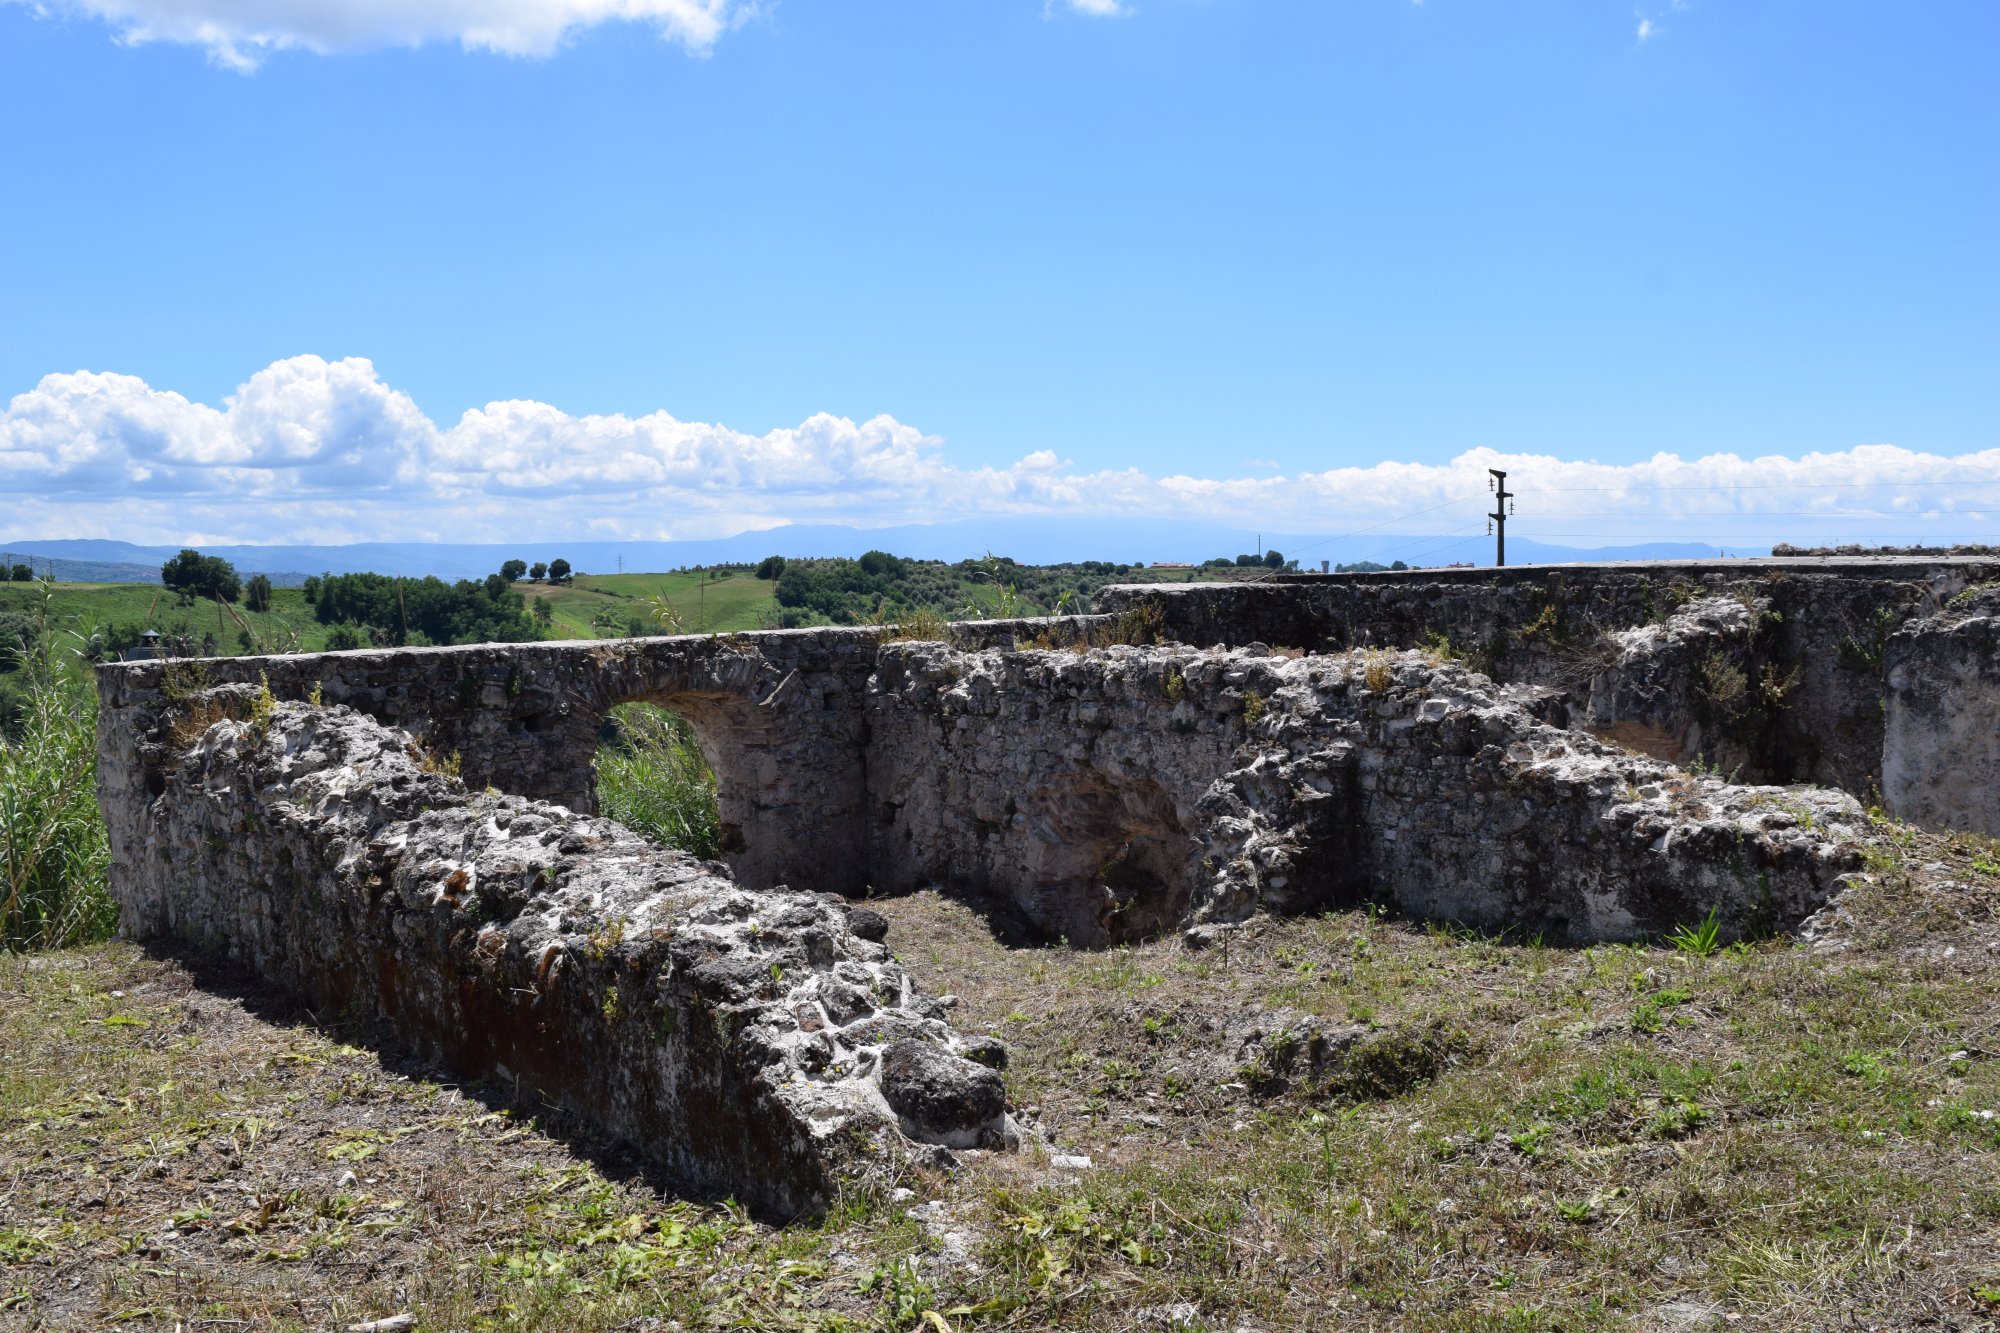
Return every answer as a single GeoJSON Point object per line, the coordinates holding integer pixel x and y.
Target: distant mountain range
{"type": "Point", "coordinates": [1033, 541]}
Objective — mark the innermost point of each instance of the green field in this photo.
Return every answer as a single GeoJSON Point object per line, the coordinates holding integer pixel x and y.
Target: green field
{"type": "Point", "coordinates": [83, 608]}
{"type": "Point", "coordinates": [707, 605]}
{"type": "Point", "coordinates": [594, 606]}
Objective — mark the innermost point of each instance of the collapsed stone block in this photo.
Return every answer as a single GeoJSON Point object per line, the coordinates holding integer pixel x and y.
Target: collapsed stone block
{"type": "Point", "coordinates": [754, 1044]}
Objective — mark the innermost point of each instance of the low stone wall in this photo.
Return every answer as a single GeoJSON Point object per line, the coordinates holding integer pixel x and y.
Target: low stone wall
{"type": "Point", "coordinates": [762, 1045]}
{"type": "Point", "coordinates": [1821, 629]}
{"type": "Point", "coordinates": [1110, 792]}
{"type": "Point", "coordinates": [780, 716]}
{"type": "Point", "coordinates": [1115, 793]}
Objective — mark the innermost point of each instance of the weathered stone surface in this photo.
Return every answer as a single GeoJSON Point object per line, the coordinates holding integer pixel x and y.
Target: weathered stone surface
{"type": "Point", "coordinates": [943, 1098]}
{"type": "Point", "coordinates": [1114, 793]}
{"type": "Point", "coordinates": [1680, 688]}
{"type": "Point", "coordinates": [1120, 792]}
{"type": "Point", "coordinates": [1548, 625]}
{"type": "Point", "coordinates": [733, 1037]}
{"type": "Point", "coordinates": [1941, 742]}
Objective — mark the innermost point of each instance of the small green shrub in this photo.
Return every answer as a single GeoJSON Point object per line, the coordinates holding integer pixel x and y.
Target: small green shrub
{"type": "Point", "coordinates": [1701, 939]}
{"type": "Point", "coordinates": [926, 624]}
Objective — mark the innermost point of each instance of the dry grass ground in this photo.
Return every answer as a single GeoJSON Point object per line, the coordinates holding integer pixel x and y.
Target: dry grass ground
{"type": "Point", "coordinates": [1784, 1136]}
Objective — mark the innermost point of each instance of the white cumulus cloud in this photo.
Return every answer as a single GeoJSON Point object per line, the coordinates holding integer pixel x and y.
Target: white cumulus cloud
{"type": "Point", "coordinates": [238, 33]}
{"type": "Point", "coordinates": [312, 450]}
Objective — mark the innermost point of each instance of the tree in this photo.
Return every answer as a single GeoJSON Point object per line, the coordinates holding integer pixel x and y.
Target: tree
{"type": "Point", "coordinates": [496, 585]}
{"type": "Point", "coordinates": [192, 574]}
{"type": "Point", "coordinates": [257, 593]}
{"type": "Point", "coordinates": [512, 570]}
{"type": "Point", "coordinates": [559, 571]}
{"type": "Point", "coordinates": [1274, 560]}
{"type": "Point", "coordinates": [311, 589]}
{"type": "Point", "coordinates": [771, 567]}
{"type": "Point", "coordinates": [537, 571]}
{"type": "Point", "coordinates": [544, 613]}
{"type": "Point", "coordinates": [23, 574]}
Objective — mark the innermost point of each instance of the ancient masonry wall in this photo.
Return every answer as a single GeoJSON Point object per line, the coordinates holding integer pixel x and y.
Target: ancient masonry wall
{"type": "Point", "coordinates": [1941, 747]}
{"type": "Point", "coordinates": [1111, 792]}
{"type": "Point", "coordinates": [1120, 792]}
{"type": "Point", "coordinates": [1790, 686]}
{"type": "Point", "coordinates": [762, 1045]}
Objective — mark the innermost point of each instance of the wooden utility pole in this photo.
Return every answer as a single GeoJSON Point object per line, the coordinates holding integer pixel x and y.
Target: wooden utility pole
{"type": "Point", "coordinates": [1501, 508]}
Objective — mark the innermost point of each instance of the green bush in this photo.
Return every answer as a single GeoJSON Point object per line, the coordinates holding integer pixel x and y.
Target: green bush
{"type": "Point", "coordinates": [651, 777]}
{"type": "Point", "coordinates": [53, 855]}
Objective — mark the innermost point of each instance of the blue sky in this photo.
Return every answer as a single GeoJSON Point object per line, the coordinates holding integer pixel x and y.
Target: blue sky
{"type": "Point", "coordinates": [1068, 255]}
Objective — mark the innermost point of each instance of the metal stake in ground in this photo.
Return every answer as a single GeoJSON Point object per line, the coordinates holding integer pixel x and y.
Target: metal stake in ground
{"type": "Point", "coordinates": [1501, 508]}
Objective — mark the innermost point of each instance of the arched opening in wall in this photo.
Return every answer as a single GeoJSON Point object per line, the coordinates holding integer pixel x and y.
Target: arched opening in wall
{"type": "Point", "coordinates": [653, 778]}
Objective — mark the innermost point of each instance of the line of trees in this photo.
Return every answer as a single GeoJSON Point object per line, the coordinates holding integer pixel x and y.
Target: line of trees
{"type": "Point", "coordinates": [555, 571]}
{"type": "Point", "coordinates": [1268, 560]}
{"type": "Point", "coordinates": [413, 612]}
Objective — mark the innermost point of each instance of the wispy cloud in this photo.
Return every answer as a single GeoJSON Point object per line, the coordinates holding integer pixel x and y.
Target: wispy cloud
{"type": "Point", "coordinates": [1648, 29]}
{"type": "Point", "coordinates": [240, 33]}
{"type": "Point", "coordinates": [314, 450]}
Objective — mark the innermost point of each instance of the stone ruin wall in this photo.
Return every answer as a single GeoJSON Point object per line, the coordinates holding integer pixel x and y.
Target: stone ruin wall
{"type": "Point", "coordinates": [1637, 649]}
{"type": "Point", "coordinates": [1289, 752]}
{"type": "Point", "coordinates": [1113, 795]}
{"type": "Point", "coordinates": [762, 1045]}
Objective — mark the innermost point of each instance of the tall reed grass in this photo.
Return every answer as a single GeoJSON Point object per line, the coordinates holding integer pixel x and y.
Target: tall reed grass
{"type": "Point", "coordinates": [53, 855]}
{"type": "Point", "coordinates": [651, 777]}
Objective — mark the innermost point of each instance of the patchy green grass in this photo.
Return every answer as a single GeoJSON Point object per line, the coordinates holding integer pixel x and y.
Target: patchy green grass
{"type": "Point", "coordinates": [707, 605]}
{"type": "Point", "coordinates": [1619, 1137]}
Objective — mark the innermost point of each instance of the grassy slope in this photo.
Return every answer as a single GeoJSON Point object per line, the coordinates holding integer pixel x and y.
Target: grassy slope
{"type": "Point", "coordinates": [83, 606]}
{"type": "Point", "coordinates": [738, 601]}
{"type": "Point", "coordinates": [1796, 1136]}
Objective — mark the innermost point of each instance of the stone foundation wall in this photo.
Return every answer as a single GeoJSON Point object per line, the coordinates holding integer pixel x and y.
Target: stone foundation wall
{"type": "Point", "coordinates": [1113, 791]}
{"type": "Point", "coordinates": [751, 1044]}
{"type": "Point", "coordinates": [1821, 630]}
{"type": "Point", "coordinates": [1112, 794]}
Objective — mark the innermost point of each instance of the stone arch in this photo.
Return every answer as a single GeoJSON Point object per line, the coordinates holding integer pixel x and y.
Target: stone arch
{"type": "Point", "coordinates": [787, 757]}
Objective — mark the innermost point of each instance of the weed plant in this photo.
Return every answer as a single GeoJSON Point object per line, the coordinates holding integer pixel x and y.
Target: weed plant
{"type": "Point", "coordinates": [53, 854]}
{"type": "Point", "coordinates": [651, 777]}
